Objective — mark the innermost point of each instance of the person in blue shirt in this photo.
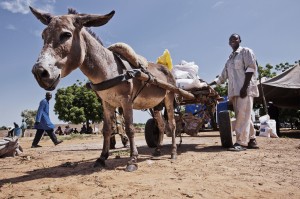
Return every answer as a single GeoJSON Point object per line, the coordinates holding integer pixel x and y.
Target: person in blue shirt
{"type": "Point", "coordinates": [43, 123]}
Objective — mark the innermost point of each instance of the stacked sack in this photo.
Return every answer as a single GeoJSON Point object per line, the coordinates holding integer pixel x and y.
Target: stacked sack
{"type": "Point", "coordinates": [267, 127]}
{"type": "Point", "coordinates": [186, 76]}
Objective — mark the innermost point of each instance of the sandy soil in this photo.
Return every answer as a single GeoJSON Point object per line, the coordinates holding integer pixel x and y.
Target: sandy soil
{"type": "Point", "coordinates": [203, 169]}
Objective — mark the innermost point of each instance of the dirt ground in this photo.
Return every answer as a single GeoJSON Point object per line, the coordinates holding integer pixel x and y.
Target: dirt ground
{"type": "Point", "coordinates": [203, 169]}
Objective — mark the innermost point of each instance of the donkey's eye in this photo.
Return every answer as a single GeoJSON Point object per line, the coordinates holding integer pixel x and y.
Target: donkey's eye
{"type": "Point", "coordinates": [64, 36]}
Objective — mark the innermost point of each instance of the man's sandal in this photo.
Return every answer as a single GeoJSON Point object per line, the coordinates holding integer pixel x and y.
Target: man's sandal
{"type": "Point", "coordinates": [237, 147]}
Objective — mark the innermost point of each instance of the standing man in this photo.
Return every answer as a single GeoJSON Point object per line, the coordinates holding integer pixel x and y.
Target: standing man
{"type": "Point", "coordinates": [240, 70]}
{"type": "Point", "coordinates": [23, 127]}
{"type": "Point", "coordinates": [43, 123]}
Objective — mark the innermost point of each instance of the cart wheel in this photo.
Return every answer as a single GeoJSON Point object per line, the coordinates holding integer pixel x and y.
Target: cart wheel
{"type": "Point", "coordinates": [225, 129]}
{"type": "Point", "coordinates": [151, 133]}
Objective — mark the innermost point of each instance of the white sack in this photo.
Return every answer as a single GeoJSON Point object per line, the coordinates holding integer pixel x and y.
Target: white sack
{"type": "Point", "coordinates": [188, 84]}
{"type": "Point", "coordinates": [268, 129]}
{"type": "Point", "coordinates": [189, 67]}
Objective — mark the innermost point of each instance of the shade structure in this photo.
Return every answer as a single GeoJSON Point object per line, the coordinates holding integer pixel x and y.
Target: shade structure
{"type": "Point", "coordinates": [284, 89]}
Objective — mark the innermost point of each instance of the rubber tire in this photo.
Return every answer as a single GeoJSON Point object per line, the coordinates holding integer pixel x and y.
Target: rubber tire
{"type": "Point", "coordinates": [225, 129]}
{"type": "Point", "coordinates": [151, 133]}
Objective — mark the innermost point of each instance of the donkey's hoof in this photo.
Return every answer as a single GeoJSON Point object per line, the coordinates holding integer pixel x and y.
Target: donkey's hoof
{"type": "Point", "coordinates": [131, 167]}
{"type": "Point", "coordinates": [174, 156]}
{"type": "Point", "coordinates": [156, 153]}
{"type": "Point", "coordinates": [100, 163]}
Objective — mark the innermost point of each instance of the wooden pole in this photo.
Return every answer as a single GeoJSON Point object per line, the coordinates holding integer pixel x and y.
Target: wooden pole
{"type": "Point", "coordinates": [153, 80]}
{"type": "Point", "coordinates": [262, 92]}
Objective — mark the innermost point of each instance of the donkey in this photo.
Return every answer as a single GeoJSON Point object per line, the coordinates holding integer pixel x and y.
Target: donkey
{"type": "Point", "coordinates": [68, 46]}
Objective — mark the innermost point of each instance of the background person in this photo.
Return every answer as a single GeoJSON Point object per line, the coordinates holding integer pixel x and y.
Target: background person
{"type": "Point", "coordinates": [118, 128]}
{"type": "Point", "coordinates": [17, 130]}
{"type": "Point", "coordinates": [83, 129]}
{"type": "Point", "coordinates": [75, 131]}
{"type": "Point", "coordinates": [12, 131]}
{"type": "Point", "coordinates": [273, 112]}
{"type": "Point", "coordinates": [23, 127]}
{"type": "Point", "coordinates": [43, 123]}
{"type": "Point", "coordinates": [59, 131]}
{"type": "Point", "coordinates": [68, 130]}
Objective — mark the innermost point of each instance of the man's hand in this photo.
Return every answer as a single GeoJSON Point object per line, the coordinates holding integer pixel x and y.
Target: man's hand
{"type": "Point", "coordinates": [243, 92]}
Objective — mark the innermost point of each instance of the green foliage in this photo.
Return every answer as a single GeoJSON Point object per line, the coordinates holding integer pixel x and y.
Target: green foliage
{"type": "Point", "coordinates": [29, 116]}
{"type": "Point", "coordinates": [222, 89]}
{"type": "Point", "coordinates": [140, 125]}
{"type": "Point", "coordinates": [266, 71]}
{"type": "Point", "coordinates": [285, 66]}
{"type": "Point", "coordinates": [77, 104]}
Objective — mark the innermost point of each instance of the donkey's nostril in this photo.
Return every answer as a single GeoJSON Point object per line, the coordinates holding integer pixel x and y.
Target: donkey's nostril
{"type": "Point", "coordinates": [44, 74]}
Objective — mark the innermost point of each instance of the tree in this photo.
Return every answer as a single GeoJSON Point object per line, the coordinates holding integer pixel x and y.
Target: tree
{"type": "Point", "coordinates": [29, 117]}
{"type": "Point", "coordinates": [285, 66]}
{"type": "Point", "coordinates": [77, 104]}
{"type": "Point", "coordinates": [266, 71]}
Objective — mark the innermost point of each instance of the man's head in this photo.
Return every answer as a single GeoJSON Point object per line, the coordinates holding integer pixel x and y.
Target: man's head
{"type": "Point", "coordinates": [234, 41]}
{"type": "Point", "coordinates": [48, 96]}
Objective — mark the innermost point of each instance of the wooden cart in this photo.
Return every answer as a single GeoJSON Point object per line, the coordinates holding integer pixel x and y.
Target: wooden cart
{"type": "Point", "coordinates": [189, 123]}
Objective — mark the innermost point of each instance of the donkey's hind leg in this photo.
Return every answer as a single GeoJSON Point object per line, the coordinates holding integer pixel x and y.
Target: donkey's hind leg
{"type": "Point", "coordinates": [130, 130]}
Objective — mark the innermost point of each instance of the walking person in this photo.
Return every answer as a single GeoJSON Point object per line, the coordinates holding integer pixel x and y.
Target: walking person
{"type": "Point", "coordinates": [240, 71]}
{"type": "Point", "coordinates": [43, 123]}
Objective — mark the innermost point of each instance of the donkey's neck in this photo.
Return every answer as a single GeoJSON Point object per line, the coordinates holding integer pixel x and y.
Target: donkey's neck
{"type": "Point", "coordinates": [99, 63]}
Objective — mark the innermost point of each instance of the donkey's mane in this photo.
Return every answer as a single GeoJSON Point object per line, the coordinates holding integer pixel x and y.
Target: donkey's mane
{"type": "Point", "coordinates": [89, 30]}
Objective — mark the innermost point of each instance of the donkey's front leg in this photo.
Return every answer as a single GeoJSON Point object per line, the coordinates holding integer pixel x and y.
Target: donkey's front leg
{"type": "Point", "coordinates": [161, 127]}
{"type": "Point", "coordinates": [129, 128]}
{"type": "Point", "coordinates": [107, 130]}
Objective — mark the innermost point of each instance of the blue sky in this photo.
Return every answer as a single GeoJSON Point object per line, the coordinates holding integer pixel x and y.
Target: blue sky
{"type": "Point", "coordinates": [191, 30]}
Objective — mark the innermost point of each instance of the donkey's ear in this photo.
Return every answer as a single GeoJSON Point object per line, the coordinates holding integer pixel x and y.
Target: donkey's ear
{"type": "Point", "coordinates": [45, 18]}
{"type": "Point", "coordinates": [94, 20]}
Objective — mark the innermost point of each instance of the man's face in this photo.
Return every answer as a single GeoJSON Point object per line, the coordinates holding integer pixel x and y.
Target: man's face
{"type": "Point", "coordinates": [48, 96]}
{"type": "Point", "coordinates": [234, 41]}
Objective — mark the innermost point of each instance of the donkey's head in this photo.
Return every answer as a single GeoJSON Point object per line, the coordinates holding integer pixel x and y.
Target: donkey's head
{"type": "Point", "coordinates": [64, 48]}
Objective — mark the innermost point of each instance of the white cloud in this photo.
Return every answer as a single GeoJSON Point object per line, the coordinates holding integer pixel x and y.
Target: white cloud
{"type": "Point", "coordinates": [45, 5]}
{"type": "Point", "coordinates": [22, 6]}
{"type": "Point", "coordinates": [218, 4]}
{"type": "Point", "coordinates": [16, 6]}
{"type": "Point", "coordinates": [10, 27]}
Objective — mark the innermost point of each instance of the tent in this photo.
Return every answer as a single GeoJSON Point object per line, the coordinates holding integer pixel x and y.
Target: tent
{"type": "Point", "coordinates": [284, 89]}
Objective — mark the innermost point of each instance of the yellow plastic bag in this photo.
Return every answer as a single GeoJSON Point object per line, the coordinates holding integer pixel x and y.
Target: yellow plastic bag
{"type": "Point", "coordinates": [165, 59]}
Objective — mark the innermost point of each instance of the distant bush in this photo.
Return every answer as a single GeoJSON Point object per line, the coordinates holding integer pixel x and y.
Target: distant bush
{"type": "Point", "coordinates": [3, 128]}
{"type": "Point", "coordinates": [141, 125]}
